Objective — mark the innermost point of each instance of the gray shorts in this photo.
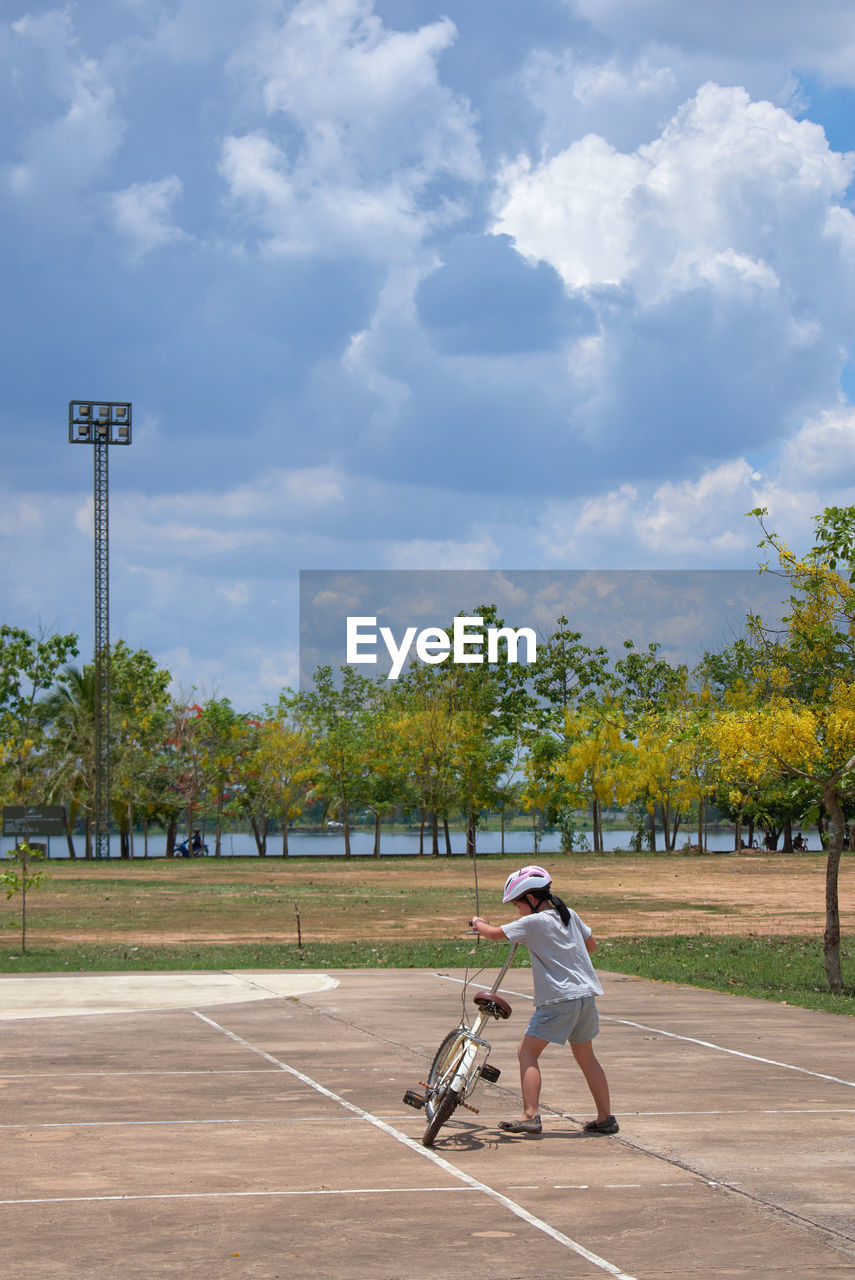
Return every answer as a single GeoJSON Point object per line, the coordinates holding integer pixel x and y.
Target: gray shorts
{"type": "Point", "coordinates": [573, 1021]}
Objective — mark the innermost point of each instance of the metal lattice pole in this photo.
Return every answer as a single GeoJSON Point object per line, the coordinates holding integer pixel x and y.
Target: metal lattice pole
{"type": "Point", "coordinates": [102, 652]}
{"type": "Point", "coordinates": [101, 423]}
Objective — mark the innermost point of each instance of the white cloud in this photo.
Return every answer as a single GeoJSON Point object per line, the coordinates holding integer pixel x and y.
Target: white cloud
{"type": "Point", "coordinates": [822, 37]}
{"type": "Point", "coordinates": [65, 152]}
{"type": "Point", "coordinates": [360, 127]}
{"type": "Point", "coordinates": [143, 214]}
{"type": "Point", "coordinates": [822, 451]}
{"type": "Point", "coordinates": [623, 97]}
{"type": "Point", "coordinates": [440, 553]}
{"type": "Point", "coordinates": [702, 516]}
{"type": "Point", "coordinates": [729, 183]}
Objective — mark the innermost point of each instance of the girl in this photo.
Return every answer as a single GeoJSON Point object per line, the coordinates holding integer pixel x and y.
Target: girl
{"type": "Point", "coordinates": [565, 984]}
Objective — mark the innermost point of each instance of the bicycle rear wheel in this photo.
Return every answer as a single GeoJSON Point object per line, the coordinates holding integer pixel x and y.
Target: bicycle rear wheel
{"type": "Point", "coordinates": [442, 1099]}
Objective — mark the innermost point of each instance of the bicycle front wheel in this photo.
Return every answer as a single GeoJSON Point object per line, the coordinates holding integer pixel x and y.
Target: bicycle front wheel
{"type": "Point", "coordinates": [442, 1099]}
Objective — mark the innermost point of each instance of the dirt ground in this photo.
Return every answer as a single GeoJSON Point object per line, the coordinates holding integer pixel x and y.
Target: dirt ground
{"type": "Point", "coordinates": [226, 900]}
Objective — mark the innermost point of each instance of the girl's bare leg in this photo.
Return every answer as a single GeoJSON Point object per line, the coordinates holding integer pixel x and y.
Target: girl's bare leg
{"type": "Point", "coordinates": [530, 1079]}
{"type": "Point", "coordinates": [594, 1076]}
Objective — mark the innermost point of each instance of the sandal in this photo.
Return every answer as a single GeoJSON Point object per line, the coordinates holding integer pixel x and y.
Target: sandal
{"type": "Point", "coordinates": [521, 1126]}
{"type": "Point", "coordinates": [609, 1125]}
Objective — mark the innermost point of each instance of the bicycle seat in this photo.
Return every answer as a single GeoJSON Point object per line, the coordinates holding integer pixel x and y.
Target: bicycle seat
{"type": "Point", "coordinates": [490, 1003]}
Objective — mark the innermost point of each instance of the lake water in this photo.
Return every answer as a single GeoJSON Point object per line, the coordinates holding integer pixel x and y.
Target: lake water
{"type": "Point", "coordinates": [331, 844]}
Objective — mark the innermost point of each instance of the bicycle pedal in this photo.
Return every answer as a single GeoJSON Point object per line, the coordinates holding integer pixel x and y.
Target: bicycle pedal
{"type": "Point", "coordinates": [414, 1099]}
{"type": "Point", "coordinates": [470, 1108]}
{"type": "Point", "coordinates": [490, 1073]}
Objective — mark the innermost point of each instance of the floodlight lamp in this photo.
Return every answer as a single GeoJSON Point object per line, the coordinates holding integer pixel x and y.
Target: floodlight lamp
{"type": "Point", "coordinates": [103, 411]}
{"type": "Point", "coordinates": [123, 433]}
{"type": "Point", "coordinates": [102, 430]}
{"type": "Point", "coordinates": [121, 413]}
{"type": "Point", "coordinates": [83, 431]}
{"type": "Point", "coordinates": [83, 411]}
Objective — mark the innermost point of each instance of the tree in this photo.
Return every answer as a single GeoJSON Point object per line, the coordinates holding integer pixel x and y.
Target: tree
{"type": "Point", "coordinates": [283, 761]}
{"type": "Point", "coordinates": [336, 719]}
{"type": "Point", "coordinates": [593, 764]}
{"type": "Point", "coordinates": [28, 668]}
{"type": "Point", "coordinates": [140, 709]}
{"type": "Point", "coordinates": [421, 725]}
{"type": "Point", "coordinates": [800, 720]}
{"type": "Point", "coordinates": [222, 737]}
{"type": "Point", "coordinates": [22, 878]}
{"type": "Point", "coordinates": [71, 758]}
{"type": "Point", "coordinates": [648, 688]}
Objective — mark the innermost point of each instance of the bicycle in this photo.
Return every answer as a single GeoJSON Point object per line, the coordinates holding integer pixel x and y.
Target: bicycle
{"type": "Point", "coordinates": [461, 1061]}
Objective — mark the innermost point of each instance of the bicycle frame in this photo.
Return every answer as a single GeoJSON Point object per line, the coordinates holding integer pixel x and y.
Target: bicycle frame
{"type": "Point", "coordinates": [456, 1067]}
{"type": "Point", "coordinates": [465, 1076]}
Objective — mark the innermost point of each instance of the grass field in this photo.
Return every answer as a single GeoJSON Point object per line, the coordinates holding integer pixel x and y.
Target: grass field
{"type": "Point", "coordinates": [747, 924]}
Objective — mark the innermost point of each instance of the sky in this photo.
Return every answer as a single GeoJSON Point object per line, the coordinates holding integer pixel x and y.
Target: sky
{"type": "Point", "coordinates": [396, 285]}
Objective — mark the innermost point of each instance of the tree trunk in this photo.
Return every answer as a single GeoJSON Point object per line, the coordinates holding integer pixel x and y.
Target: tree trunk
{"type": "Point", "coordinates": [88, 837]}
{"type": "Point", "coordinates": [595, 821]}
{"type": "Point", "coordinates": [651, 828]}
{"type": "Point", "coordinates": [502, 816]}
{"type": "Point", "coordinates": [346, 813]}
{"type": "Point", "coordinates": [787, 846]}
{"type": "Point", "coordinates": [447, 834]}
{"type": "Point", "coordinates": [377, 833]}
{"type": "Point", "coordinates": [701, 824]}
{"type": "Point", "coordinates": [422, 833]}
{"type": "Point", "coordinates": [171, 834]}
{"type": "Point", "coordinates": [822, 828]}
{"type": "Point", "coordinates": [675, 829]}
{"type": "Point", "coordinates": [831, 937]}
{"type": "Point", "coordinates": [260, 836]}
{"type": "Point", "coordinates": [666, 825]}
{"type": "Point", "coordinates": [470, 833]}
{"type": "Point", "coordinates": [434, 833]}
{"type": "Point", "coordinates": [69, 835]}
{"type": "Point", "coordinates": [285, 836]}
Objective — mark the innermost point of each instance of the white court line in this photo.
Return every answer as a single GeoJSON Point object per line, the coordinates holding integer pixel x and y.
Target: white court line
{"type": "Point", "coordinates": [242, 1195]}
{"type": "Point", "coordinates": [427, 1154]}
{"type": "Point", "coordinates": [120, 1075]}
{"type": "Point", "coordinates": [736, 1053]}
{"type": "Point", "coordinates": [705, 1044]}
{"type": "Point", "coordinates": [754, 1111]}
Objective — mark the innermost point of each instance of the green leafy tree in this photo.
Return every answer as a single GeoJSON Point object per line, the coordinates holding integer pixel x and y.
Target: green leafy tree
{"type": "Point", "coordinates": [336, 718]}
{"type": "Point", "coordinates": [29, 665]}
{"type": "Point", "coordinates": [22, 878]}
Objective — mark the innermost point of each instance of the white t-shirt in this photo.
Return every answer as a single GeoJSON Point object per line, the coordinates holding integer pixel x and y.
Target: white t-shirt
{"type": "Point", "coordinates": [560, 964]}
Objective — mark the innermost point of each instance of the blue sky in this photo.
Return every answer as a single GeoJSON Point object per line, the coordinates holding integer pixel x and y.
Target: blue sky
{"type": "Point", "coordinates": [401, 285]}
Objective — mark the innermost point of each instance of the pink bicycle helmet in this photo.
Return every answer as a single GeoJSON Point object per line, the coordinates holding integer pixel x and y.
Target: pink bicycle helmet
{"type": "Point", "coordinates": [524, 880]}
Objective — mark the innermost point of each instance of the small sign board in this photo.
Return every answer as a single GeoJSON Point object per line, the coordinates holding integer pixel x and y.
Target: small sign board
{"type": "Point", "coordinates": [33, 820]}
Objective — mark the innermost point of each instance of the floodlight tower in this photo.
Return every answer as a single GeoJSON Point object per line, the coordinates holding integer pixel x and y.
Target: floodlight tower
{"type": "Point", "coordinates": [101, 423]}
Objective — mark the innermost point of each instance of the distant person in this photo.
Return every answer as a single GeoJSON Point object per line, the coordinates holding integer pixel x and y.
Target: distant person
{"type": "Point", "coordinates": [800, 844]}
{"type": "Point", "coordinates": [565, 984]}
{"type": "Point", "coordinates": [196, 842]}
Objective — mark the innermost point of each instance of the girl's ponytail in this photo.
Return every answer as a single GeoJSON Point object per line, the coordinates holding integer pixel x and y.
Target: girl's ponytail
{"type": "Point", "coordinates": [562, 909]}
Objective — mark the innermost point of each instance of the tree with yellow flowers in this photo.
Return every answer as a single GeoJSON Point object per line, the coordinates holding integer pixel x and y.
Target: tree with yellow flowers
{"type": "Point", "coordinates": [797, 717]}
{"type": "Point", "coordinates": [594, 762]}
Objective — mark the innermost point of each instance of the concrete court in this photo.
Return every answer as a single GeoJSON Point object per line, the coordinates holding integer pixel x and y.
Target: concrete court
{"type": "Point", "coordinates": [264, 1136]}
